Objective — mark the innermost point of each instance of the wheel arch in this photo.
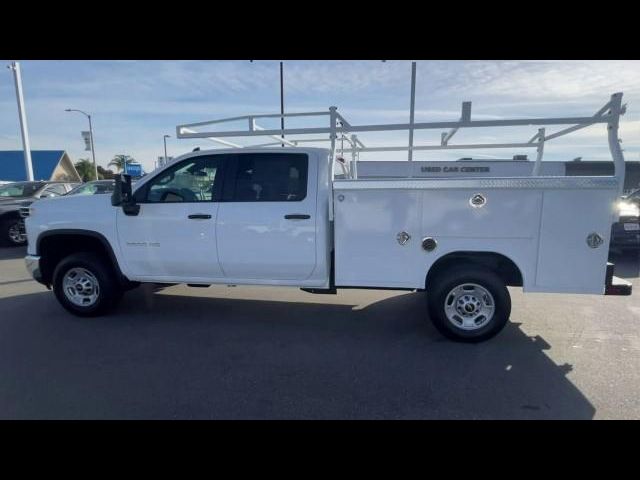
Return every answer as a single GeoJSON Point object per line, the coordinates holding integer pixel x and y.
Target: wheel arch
{"type": "Point", "coordinates": [9, 215]}
{"type": "Point", "coordinates": [54, 245]}
{"type": "Point", "coordinates": [501, 264]}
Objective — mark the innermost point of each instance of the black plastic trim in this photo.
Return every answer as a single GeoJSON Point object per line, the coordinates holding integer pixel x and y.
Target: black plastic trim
{"type": "Point", "coordinates": [614, 285]}
{"type": "Point", "coordinates": [87, 233]}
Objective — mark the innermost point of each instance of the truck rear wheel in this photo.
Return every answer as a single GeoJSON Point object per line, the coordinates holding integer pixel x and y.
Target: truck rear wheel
{"type": "Point", "coordinates": [469, 303]}
{"type": "Point", "coordinates": [85, 285]}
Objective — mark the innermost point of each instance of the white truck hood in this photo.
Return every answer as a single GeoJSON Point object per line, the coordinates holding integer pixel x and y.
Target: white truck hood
{"type": "Point", "coordinates": [93, 213]}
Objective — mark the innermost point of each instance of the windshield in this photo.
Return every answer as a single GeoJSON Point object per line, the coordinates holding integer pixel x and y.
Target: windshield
{"type": "Point", "coordinates": [93, 188]}
{"type": "Point", "coordinates": [20, 189]}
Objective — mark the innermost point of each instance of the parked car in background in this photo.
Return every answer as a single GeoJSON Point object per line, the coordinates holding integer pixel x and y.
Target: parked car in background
{"type": "Point", "coordinates": [95, 187]}
{"type": "Point", "coordinates": [625, 233]}
{"type": "Point", "coordinates": [15, 195]}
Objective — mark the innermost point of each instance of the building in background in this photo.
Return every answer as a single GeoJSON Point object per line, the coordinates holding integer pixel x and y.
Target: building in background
{"type": "Point", "coordinates": [517, 167]}
{"type": "Point", "coordinates": [50, 165]}
{"type": "Point", "coordinates": [596, 168]}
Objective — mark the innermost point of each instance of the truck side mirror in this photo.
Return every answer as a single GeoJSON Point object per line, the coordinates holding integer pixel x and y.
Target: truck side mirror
{"type": "Point", "coordinates": [116, 195]}
{"type": "Point", "coordinates": [123, 195]}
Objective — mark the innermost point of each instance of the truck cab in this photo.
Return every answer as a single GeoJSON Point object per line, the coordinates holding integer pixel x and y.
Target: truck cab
{"type": "Point", "coordinates": [252, 217]}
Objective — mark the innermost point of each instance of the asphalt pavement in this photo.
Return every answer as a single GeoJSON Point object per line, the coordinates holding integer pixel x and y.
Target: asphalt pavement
{"type": "Point", "coordinates": [277, 353]}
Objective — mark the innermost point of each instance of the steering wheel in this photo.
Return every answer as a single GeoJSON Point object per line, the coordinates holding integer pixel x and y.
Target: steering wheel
{"type": "Point", "coordinates": [184, 194]}
{"type": "Point", "coordinates": [163, 197]}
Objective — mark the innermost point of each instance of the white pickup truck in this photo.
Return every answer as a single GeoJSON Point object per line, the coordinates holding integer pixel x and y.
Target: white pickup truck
{"type": "Point", "coordinates": [282, 216]}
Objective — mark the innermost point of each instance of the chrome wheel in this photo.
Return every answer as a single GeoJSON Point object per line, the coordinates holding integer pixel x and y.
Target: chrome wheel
{"type": "Point", "coordinates": [80, 287]}
{"type": "Point", "coordinates": [469, 306]}
{"type": "Point", "coordinates": [14, 234]}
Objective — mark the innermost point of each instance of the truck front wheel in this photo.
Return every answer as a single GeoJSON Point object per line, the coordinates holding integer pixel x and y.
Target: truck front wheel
{"type": "Point", "coordinates": [469, 303]}
{"type": "Point", "coordinates": [85, 285]}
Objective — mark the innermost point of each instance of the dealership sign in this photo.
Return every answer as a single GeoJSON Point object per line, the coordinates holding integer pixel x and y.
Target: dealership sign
{"type": "Point", "coordinates": [134, 169]}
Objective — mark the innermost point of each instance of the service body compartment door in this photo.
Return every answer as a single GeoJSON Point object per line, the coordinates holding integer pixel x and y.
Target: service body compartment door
{"type": "Point", "coordinates": [266, 227]}
{"type": "Point", "coordinates": [570, 255]}
{"type": "Point", "coordinates": [368, 249]}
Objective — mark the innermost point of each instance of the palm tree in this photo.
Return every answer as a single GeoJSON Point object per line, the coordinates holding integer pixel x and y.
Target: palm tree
{"type": "Point", "coordinates": [85, 169]}
{"type": "Point", "coordinates": [104, 174]}
{"type": "Point", "coordinates": [120, 160]}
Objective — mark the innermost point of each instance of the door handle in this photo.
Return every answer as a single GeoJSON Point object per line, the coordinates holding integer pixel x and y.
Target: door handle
{"type": "Point", "coordinates": [199, 216]}
{"type": "Point", "coordinates": [297, 216]}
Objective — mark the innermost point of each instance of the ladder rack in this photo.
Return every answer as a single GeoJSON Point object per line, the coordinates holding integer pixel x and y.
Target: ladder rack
{"type": "Point", "coordinates": [338, 128]}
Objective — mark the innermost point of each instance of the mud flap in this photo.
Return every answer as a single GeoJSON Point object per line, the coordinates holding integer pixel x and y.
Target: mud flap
{"type": "Point", "coordinates": [616, 285]}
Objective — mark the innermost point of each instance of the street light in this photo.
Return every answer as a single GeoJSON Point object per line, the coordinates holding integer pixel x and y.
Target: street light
{"type": "Point", "coordinates": [165, 148]}
{"type": "Point", "coordinates": [24, 130]}
{"type": "Point", "coordinates": [281, 99]}
{"type": "Point", "coordinates": [93, 153]}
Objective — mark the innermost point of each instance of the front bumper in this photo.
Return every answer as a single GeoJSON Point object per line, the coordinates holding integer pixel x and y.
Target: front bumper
{"type": "Point", "coordinates": [32, 263]}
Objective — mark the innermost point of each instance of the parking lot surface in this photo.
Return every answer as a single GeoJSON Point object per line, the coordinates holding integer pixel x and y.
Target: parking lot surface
{"type": "Point", "coordinates": [262, 353]}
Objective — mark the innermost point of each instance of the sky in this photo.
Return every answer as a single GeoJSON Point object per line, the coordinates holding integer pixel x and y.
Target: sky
{"type": "Point", "coordinates": [135, 103]}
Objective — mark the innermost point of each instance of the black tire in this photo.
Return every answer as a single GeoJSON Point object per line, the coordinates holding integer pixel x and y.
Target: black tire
{"type": "Point", "coordinates": [6, 234]}
{"type": "Point", "coordinates": [110, 292]}
{"type": "Point", "coordinates": [439, 294]}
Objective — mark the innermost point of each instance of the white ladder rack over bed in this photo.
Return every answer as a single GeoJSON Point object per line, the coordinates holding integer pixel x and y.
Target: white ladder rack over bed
{"type": "Point", "coordinates": [339, 128]}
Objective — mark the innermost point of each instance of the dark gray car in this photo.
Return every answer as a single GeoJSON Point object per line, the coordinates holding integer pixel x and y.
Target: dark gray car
{"type": "Point", "coordinates": [15, 195]}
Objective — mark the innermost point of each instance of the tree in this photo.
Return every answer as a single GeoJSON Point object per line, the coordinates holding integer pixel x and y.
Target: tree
{"type": "Point", "coordinates": [85, 169]}
{"type": "Point", "coordinates": [119, 161]}
{"type": "Point", "coordinates": [104, 174]}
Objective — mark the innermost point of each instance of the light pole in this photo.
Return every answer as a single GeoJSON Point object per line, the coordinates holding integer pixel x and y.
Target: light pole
{"type": "Point", "coordinates": [24, 130]}
{"type": "Point", "coordinates": [282, 100]}
{"type": "Point", "coordinates": [165, 148]}
{"type": "Point", "coordinates": [93, 153]}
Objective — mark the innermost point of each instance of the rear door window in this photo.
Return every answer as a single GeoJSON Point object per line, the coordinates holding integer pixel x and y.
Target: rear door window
{"type": "Point", "coordinates": [269, 177]}
{"type": "Point", "coordinates": [57, 189]}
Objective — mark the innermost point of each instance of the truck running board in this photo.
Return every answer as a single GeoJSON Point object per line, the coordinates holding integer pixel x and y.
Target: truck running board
{"type": "Point", "coordinates": [616, 285]}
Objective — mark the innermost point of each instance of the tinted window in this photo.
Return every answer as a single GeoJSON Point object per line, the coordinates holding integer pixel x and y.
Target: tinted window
{"type": "Point", "coordinates": [20, 189]}
{"type": "Point", "coordinates": [93, 188]}
{"type": "Point", "coordinates": [270, 177]}
{"type": "Point", "coordinates": [193, 180]}
{"type": "Point", "coordinates": [55, 190]}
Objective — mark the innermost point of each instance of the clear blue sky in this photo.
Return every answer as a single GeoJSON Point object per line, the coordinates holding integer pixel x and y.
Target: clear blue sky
{"type": "Point", "coordinates": [134, 103]}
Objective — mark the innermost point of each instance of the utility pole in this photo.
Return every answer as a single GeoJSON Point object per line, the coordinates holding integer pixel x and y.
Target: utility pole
{"type": "Point", "coordinates": [93, 152]}
{"type": "Point", "coordinates": [165, 148]}
{"type": "Point", "coordinates": [412, 109]}
{"type": "Point", "coordinates": [24, 130]}
{"type": "Point", "coordinates": [282, 100]}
